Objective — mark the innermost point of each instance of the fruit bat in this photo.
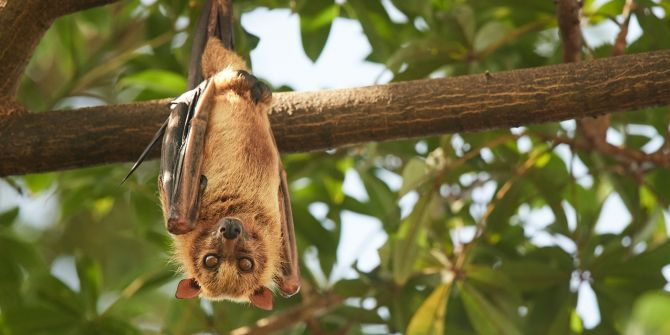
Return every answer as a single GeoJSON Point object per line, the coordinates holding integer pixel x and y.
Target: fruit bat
{"type": "Point", "coordinates": [222, 185]}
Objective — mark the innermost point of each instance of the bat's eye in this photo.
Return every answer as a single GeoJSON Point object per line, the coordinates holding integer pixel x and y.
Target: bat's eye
{"type": "Point", "coordinates": [245, 264]}
{"type": "Point", "coordinates": [211, 261]}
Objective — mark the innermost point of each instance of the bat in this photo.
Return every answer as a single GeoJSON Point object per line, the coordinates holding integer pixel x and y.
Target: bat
{"type": "Point", "coordinates": [222, 185]}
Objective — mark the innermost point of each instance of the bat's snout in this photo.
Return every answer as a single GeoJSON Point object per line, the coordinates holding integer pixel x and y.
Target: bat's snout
{"type": "Point", "coordinates": [230, 228]}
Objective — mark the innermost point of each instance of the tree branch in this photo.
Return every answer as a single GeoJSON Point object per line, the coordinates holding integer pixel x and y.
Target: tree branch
{"type": "Point", "coordinates": [308, 121]}
{"type": "Point", "coordinates": [23, 23]}
{"type": "Point", "coordinates": [620, 41]}
{"type": "Point", "coordinates": [623, 155]}
{"type": "Point", "coordinates": [292, 316]}
{"type": "Point", "coordinates": [567, 13]}
{"type": "Point", "coordinates": [60, 8]}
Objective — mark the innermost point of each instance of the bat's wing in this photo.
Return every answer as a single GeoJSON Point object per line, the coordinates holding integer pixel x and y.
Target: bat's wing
{"type": "Point", "coordinates": [213, 21]}
{"type": "Point", "coordinates": [183, 133]}
{"type": "Point", "coordinates": [181, 182]}
{"type": "Point", "coordinates": [289, 281]}
{"type": "Point", "coordinates": [147, 150]}
{"type": "Point", "coordinates": [181, 157]}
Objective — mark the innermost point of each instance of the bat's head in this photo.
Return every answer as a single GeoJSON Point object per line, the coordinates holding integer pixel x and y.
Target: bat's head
{"type": "Point", "coordinates": [234, 258]}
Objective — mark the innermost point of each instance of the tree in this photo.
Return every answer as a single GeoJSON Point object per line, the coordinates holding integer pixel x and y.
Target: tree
{"type": "Point", "coordinates": [470, 257]}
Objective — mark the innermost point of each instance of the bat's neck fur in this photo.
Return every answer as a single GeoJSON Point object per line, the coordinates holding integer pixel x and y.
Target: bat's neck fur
{"type": "Point", "coordinates": [217, 58]}
{"type": "Point", "coordinates": [240, 162]}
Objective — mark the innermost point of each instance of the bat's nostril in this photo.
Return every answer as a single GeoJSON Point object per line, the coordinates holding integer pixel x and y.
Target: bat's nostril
{"type": "Point", "coordinates": [230, 228]}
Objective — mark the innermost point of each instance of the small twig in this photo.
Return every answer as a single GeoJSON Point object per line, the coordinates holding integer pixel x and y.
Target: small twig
{"type": "Point", "coordinates": [289, 317]}
{"type": "Point", "coordinates": [500, 194]}
{"type": "Point", "coordinates": [11, 183]}
{"type": "Point", "coordinates": [567, 13]}
{"type": "Point", "coordinates": [520, 171]}
{"type": "Point", "coordinates": [535, 25]}
{"type": "Point", "coordinates": [620, 42]}
{"type": "Point", "coordinates": [472, 154]}
{"type": "Point", "coordinates": [630, 157]}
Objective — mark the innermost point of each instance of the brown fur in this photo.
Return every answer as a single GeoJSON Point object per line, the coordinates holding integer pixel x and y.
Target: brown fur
{"type": "Point", "coordinates": [241, 164]}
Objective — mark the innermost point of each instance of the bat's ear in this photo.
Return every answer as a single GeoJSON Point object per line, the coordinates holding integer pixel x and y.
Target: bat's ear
{"type": "Point", "coordinates": [262, 298]}
{"type": "Point", "coordinates": [187, 289]}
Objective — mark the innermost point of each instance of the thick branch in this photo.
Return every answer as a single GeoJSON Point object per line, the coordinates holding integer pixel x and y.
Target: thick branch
{"type": "Point", "coordinates": [60, 8]}
{"type": "Point", "coordinates": [307, 121]}
{"type": "Point", "coordinates": [23, 23]}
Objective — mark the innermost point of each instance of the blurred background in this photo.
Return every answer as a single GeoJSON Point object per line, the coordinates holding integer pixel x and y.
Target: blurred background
{"type": "Point", "coordinates": [517, 231]}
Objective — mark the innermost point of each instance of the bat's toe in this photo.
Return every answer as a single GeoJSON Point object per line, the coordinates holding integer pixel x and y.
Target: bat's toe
{"type": "Point", "coordinates": [258, 91]}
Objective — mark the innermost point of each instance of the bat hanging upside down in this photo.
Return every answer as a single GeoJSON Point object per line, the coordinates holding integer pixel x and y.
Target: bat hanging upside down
{"type": "Point", "coordinates": [223, 188]}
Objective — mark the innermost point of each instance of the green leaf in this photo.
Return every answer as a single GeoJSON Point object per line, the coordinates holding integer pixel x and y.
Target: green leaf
{"type": "Point", "coordinates": [90, 282]}
{"type": "Point", "coordinates": [490, 34]}
{"type": "Point", "coordinates": [39, 182]}
{"type": "Point", "coordinates": [109, 325]}
{"type": "Point", "coordinates": [377, 26]}
{"type": "Point", "coordinates": [429, 318]}
{"type": "Point", "coordinates": [414, 8]}
{"type": "Point", "coordinates": [382, 200]}
{"type": "Point", "coordinates": [8, 217]}
{"type": "Point", "coordinates": [465, 17]}
{"type": "Point", "coordinates": [162, 83]}
{"type": "Point", "coordinates": [51, 320]}
{"type": "Point", "coordinates": [650, 315]}
{"type": "Point", "coordinates": [316, 19]}
{"type": "Point", "coordinates": [414, 174]}
{"type": "Point", "coordinates": [611, 8]}
{"type": "Point", "coordinates": [362, 315]}
{"type": "Point", "coordinates": [408, 240]}
{"type": "Point", "coordinates": [153, 280]}
{"type": "Point", "coordinates": [351, 288]}
{"type": "Point", "coordinates": [59, 296]}
{"type": "Point", "coordinates": [529, 275]}
{"type": "Point", "coordinates": [484, 316]}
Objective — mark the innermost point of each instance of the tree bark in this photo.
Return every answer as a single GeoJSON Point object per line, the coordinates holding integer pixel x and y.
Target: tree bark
{"type": "Point", "coordinates": [23, 23]}
{"type": "Point", "coordinates": [308, 121]}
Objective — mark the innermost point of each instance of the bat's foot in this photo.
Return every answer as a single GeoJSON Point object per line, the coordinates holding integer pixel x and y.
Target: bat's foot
{"type": "Point", "coordinates": [245, 85]}
{"type": "Point", "coordinates": [258, 91]}
{"type": "Point", "coordinates": [242, 83]}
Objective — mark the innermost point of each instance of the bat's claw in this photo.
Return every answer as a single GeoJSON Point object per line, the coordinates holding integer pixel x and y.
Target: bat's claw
{"type": "Point", "coordinates": [258, 91]}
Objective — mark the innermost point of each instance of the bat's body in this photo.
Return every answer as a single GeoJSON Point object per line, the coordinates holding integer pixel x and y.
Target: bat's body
{"type": "Point", "coordinates": [240, 242]}
{"type": "Point", "coordinates": [222, 186]}
{"type": "Point", "coordinates": [243, 171]}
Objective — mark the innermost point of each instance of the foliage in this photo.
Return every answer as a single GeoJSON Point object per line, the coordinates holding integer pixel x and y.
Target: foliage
{"type": "Point", "coordinates": [471, 256]}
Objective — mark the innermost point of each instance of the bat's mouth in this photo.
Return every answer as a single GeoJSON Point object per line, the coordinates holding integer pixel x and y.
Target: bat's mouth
{"type": "Point", "coordinates": [230, 231]}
